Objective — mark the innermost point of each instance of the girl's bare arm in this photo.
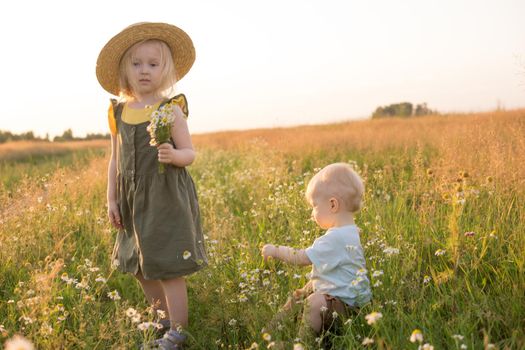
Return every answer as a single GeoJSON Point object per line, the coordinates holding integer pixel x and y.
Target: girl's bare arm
{"type": "Point", "coordinates": [184, 154]}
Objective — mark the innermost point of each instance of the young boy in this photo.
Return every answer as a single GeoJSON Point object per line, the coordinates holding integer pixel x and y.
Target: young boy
{"type": "Point", "coordinates": [338, 280]}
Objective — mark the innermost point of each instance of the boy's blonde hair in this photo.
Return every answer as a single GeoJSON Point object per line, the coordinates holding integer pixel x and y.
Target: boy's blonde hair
{"type": "Point", "coordinates": [338, 180]}
{"type": "Point", "coordinates": [169, 76]}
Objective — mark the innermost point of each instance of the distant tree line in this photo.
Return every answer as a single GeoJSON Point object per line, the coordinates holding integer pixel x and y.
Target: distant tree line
{"type": "Point", "coordinates": [8, 136]}
{"type": "Point", "coordinates": [67, 135]}
{"type": "Point", "coordinates": [403, 109]}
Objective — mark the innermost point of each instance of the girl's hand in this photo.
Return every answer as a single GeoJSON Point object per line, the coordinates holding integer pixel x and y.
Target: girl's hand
{"type": "Point", "coordinates": [166, 153]}
{"type": "Point", "coordinates": [114, 215]}
{"type": "Point", "coordinates": [268, 251]}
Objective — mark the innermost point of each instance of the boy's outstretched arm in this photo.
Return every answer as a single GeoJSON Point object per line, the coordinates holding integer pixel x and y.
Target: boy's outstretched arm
{"type": "Point", "coordinates": [286, 254]}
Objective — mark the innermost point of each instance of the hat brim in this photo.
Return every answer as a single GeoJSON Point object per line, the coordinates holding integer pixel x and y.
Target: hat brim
{"type": "Point", "coordinates": [108, 61]}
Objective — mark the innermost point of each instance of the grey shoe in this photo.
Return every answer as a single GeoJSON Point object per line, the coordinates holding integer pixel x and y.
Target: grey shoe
{"type": "Point", "coordinates": [166, 326]}
{"type": "Point", "coordinates": [172, 340]}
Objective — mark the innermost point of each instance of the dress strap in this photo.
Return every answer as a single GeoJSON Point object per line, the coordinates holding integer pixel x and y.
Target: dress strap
{"type": "Point", "coordinates": [117, 111]}
{"type": "Point", "coordinates": [179, 100]}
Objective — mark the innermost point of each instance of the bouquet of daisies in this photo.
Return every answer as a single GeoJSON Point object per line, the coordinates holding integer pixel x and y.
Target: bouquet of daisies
{"type": "Point", "coordinates": [159, 127]}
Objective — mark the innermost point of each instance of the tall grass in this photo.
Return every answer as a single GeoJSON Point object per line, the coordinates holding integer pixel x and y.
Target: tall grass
{"type": "Point", "coordinates": [442, 227]}
{"type": "Point", "coordinates": [29, 162]}
{"type": "Point", "coordinates": [23, 150]}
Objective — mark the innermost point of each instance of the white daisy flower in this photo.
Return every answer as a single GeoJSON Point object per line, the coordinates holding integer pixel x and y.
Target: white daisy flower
{"type": "Point", "coordinates": [373, 317]}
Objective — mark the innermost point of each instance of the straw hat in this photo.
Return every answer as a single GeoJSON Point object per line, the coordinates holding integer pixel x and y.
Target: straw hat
{"type": "Point", "coordinates": [109, 58]}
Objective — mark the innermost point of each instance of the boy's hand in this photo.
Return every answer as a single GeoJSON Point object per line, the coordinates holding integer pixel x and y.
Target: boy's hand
{"type": "Point", "coordinates": [268, 251]}
{"type": "Point", "coordinates": [299, 294]}
{"type": "Point", "coordinates": [303, 292]}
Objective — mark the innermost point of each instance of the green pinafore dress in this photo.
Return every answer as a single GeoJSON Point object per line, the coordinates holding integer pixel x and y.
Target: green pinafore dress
{"type": "Point", "coordinates": [162, 236]}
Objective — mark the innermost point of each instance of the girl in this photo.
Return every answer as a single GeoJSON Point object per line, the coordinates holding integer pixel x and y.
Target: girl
{"type": "Point", "coordinates": [160, 238]}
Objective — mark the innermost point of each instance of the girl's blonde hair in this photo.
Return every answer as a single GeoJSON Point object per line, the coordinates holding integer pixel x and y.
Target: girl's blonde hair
{"type": "Point", "coordinates": [338, 180]}
{"type": "Point", "coordinates": [169, 75]}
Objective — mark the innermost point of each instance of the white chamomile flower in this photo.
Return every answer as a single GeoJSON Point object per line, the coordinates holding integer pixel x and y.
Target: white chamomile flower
{"type": "Point", "coordinates": [130, 312]}
{"type": "Point", "coordinates": [440, 252]}
{"type": "Point", "coordinates": [136, 318]}
{"type": "Point", "coordinates": [114, 295]}
{"type": "Point", "coordinates": [416, 335]}
{"type": "Point", "coordinates": [391, 251]}
{"type": "Point", "coordinates": [361, 272]}
{"type": "Point", "coordinates": [367, 341]}
{"type": "Point", "coordinates": [377, 273]}
{"type": "Point", "coordinates": [373, 317]}
{"type": "Point", "coordinates": [161, 313]}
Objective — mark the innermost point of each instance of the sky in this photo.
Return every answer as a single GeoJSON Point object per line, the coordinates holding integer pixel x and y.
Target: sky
{"type": "Point", "coordinates": [268, 63]}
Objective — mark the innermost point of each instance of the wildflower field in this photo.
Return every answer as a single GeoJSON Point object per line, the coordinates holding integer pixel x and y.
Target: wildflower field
{"type": "Point", "coordinates": [443, 227]}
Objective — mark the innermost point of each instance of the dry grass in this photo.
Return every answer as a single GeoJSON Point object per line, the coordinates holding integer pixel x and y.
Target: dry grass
{"type": "Point", "coordinates": [23, 149]}
{"type": "Point", "coordinates": [493, 143]}
{"type": "Point", "coordinates": [57, 284]}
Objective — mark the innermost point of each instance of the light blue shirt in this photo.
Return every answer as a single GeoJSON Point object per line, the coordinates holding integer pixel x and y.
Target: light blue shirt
{"type": "Point", "coordinates": [338, 266]}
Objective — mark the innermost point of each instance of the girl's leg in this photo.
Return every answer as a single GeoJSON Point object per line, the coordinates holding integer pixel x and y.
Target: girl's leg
{"type": "Point", "coordinates": [154, 294]}
{"type": "Point", "coordinates": [177, 301]}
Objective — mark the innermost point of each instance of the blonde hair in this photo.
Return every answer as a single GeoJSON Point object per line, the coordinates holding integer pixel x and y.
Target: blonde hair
{"type": "Point", "coordinates": [169, 75]}
{"type": "Point", "coordinates": [338, 180]}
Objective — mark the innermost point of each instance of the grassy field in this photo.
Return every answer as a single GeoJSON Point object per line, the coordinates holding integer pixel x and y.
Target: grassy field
{"type": "Point", "coordinates": [443, 230]}
{"type": "Point", "coordinates": [30, 161]}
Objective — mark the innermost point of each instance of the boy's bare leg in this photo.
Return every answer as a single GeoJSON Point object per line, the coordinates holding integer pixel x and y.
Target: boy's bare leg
{"type": "Point", "coordinates": [312, 320]}
{"type": "Point", "coordinates": [290, 309]}
{"type": "Point", "coordinates": [287, 312]}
